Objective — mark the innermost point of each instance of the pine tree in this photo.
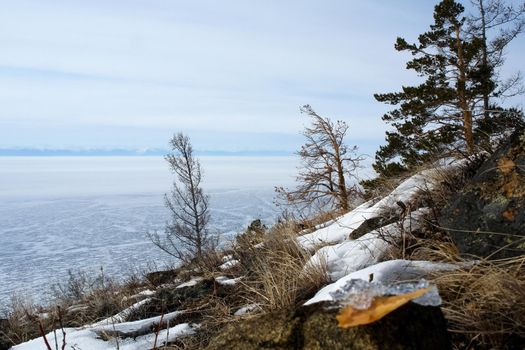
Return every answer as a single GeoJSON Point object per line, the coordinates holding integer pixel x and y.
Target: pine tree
{"type": "Point", "coordinates": [436, 115]}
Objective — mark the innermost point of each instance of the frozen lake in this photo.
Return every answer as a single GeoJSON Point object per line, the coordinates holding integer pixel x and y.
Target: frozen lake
{"type": "Point", "coordinates": [84, 213]}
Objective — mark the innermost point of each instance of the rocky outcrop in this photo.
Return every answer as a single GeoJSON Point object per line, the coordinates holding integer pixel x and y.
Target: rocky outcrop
{"type": "Point", "coordinates": [315, 327]}
{"type": "Point", "coordinates": [487, 218]}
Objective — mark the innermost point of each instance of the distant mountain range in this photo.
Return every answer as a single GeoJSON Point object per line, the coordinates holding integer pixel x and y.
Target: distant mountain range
{"type": "Point", "coordinates": [35, 152]}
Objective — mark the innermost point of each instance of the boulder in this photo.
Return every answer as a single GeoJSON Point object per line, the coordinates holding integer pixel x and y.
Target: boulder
{"type": "Point", "coordinates": [157, 278]}
{"type": "Point", "coordinates": [487, 218]}
{"type": "Point", "coordinates": [315, 327]}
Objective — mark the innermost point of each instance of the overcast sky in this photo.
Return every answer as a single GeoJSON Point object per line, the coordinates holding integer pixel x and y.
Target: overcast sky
{"type": "Point", "coordinates": [231, 74]}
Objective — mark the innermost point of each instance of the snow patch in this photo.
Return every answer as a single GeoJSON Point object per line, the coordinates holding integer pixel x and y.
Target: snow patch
{"type": "Point", "coordinates": [386, 272]}
{"type": "Point", "coordinates": [343, 258]}
{"type": "Point", "coordinates": [192, 282]}
{"type": "Point", "coordinates": [342, 227]}
{"type": "Point", "coordinates": [225, 281]}
{"type": "Point", "coordinates": [88, 338]}
{"type": "Point", "coordinates": [229, 264]}
{"type": "Point", "coordinates": [146, 293]}
{"type": "Point", "coordinates": [227, 258]}
{"type": "Point", "coordinates": [134, 328]}
{"type": "Point", "coordinates": [247, 309]}
{"type": "Point", "coordinates": [123, 315]}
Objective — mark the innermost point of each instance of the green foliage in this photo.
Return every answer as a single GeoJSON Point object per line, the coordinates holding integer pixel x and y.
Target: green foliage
{"type": "Point", "coordinates": [497, 123]}
{"type": "Point", "coordinates": [429, 117]}
{"type": "Point", "coordinates": [448, 111]}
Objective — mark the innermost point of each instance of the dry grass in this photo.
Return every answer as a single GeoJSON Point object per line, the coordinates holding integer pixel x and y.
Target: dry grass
{"type": "Point", "coordinates": [322, 217]}
{"type": "Point", "coordinates": [272, 275]}
{"type": "Point", "coordinates": [275, 271]}
{"type": "Point", "coordinates": [485, 305]}
{"type": "Point", "coordinates": [19, 325]}
{"type": "Point", "coordinates": [381, 186]}
{"type": "Point", "coordinates": [78, 301]}
{"type": "Point", "coordinates": [88, 299]}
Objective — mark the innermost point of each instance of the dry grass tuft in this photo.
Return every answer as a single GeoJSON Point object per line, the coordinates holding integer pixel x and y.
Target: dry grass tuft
{"type": "Point", "coordinates": [87, 299]}
{"type": "Point", "coordinates": [275, 270]}
{"type": "Point", "coordinates": [485, 305]}
{"type": "Point", "coordinates": [437, 249]}
{"type": "Point", "coordinates": [18, 325]}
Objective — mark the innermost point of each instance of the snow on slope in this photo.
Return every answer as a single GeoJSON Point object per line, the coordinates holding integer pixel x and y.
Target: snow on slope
{"type": "Point", "coordinates": [347, 259]}
{"type": "Point", "coordinates": [341, 229]}
{"type": "Point", "coordinates": [348, 256]}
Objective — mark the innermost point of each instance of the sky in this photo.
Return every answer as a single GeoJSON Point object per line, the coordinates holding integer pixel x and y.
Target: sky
{"type": "Point", "coordinates": [231, 74]}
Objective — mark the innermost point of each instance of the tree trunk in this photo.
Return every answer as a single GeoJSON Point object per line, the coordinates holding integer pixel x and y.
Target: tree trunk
{"type": "Point", "coordinates": [462, 99]}
{"type": "Point", "coordinates": [484, 58]}
{"type": "Point", "coordinates": [343, 195]}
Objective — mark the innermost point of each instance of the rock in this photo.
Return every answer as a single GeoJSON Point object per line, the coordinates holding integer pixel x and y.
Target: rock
{"type": "Point", "coordinates": [315, 327]}
{"type": "Point", "coordinates": [487, 218]}
{"type": "Point", "coordinates": [169, 299]}
{"type": "Point", "coordinates": [374, 223]}
{"type": "Point", "coordinates": [257, 226]}
{"type": "Point", "coordinates": [158, 278]}
{"type": "Point", "coordinates": [173, 299]}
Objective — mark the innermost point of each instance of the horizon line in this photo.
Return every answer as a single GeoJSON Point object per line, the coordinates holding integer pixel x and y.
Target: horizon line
{"type": "Point", "coordinates": [57, 152]}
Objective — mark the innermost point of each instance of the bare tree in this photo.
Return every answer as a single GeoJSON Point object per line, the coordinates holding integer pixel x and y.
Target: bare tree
{"type": "Point", "coordinates": [187, 236]}
{"type": "Point", "coordinates": [327, 165]}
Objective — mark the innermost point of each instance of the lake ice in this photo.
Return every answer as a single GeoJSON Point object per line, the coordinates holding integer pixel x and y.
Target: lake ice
{"type": "Point", "coordinates": [84, 213]}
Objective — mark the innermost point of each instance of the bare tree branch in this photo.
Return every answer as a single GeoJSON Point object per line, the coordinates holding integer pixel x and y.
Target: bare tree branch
{"type": "Point", "coordinates": [327, 165]}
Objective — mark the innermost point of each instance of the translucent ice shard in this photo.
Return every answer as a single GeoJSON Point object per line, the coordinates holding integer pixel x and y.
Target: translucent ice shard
{"type": "Point", "coordinates": [360, 294]}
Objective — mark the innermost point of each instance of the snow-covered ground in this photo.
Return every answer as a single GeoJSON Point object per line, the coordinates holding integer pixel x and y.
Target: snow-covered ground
{"type": "Point", "coordinates": [134, 335]}
{"type": "Point", "coordinates": [84, 213]}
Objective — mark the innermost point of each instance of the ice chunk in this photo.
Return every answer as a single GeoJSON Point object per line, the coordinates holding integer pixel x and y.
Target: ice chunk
{"type": "Point", "coordinates": [360, 294]}
{"type": "Point", "coordinates": [388, 272]}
